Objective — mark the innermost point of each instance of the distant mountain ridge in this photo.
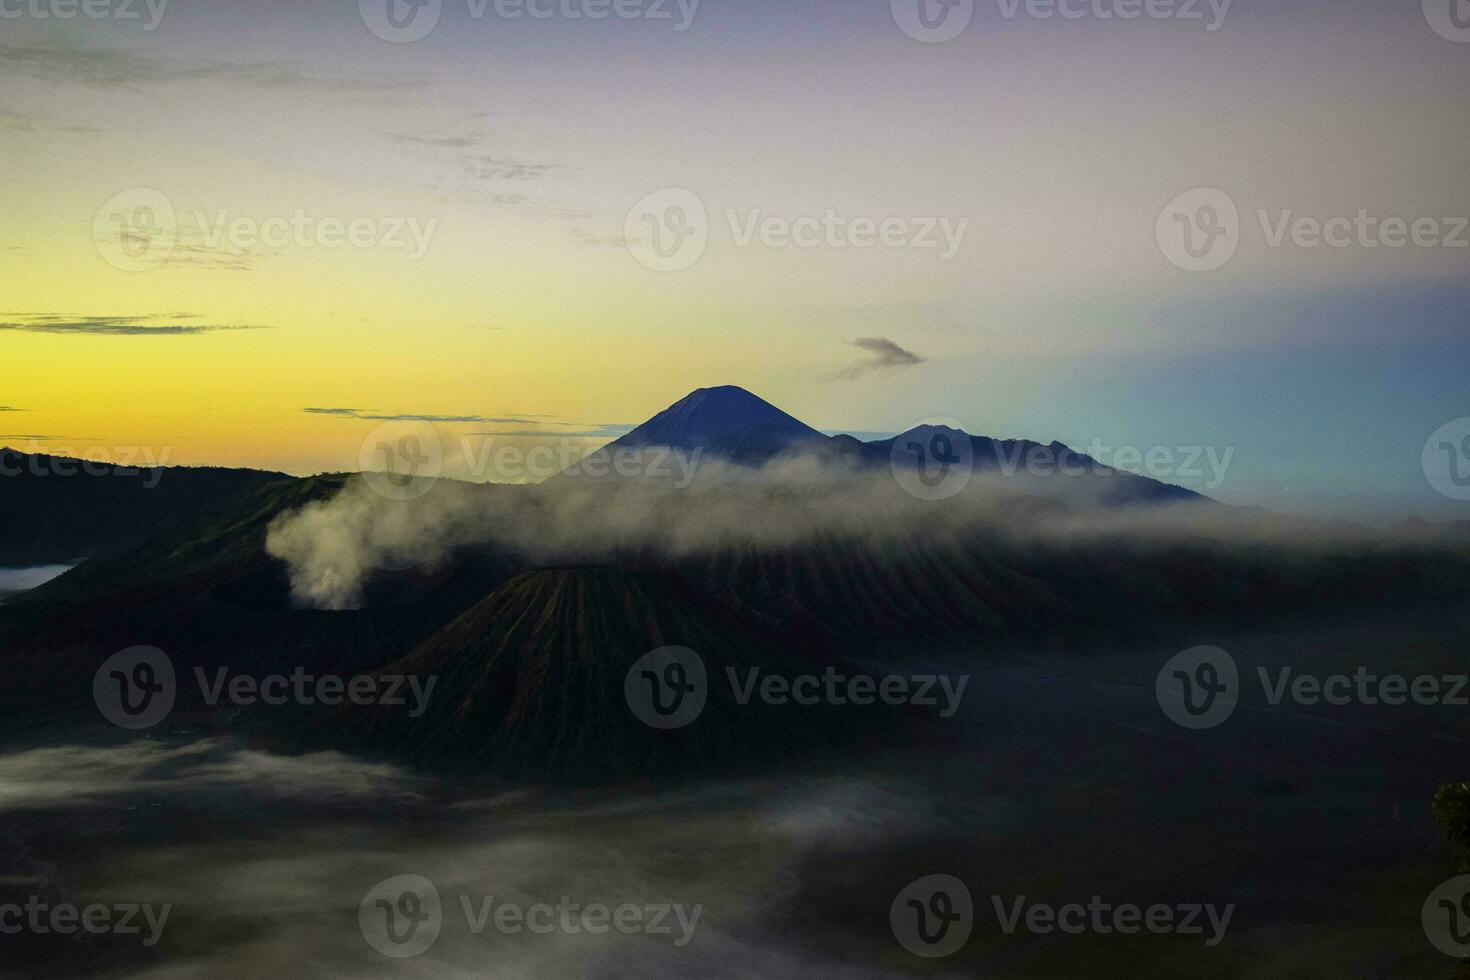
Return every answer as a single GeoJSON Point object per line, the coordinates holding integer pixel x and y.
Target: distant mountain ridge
{"type": "Point", "coordinates": [730, 423]}
{"type": "Point", "coordinates": [56, 508]}
{"type": "Point", "coordinates": [1023, 458]}
{"type": "Point", "coordinates": [518, 640]}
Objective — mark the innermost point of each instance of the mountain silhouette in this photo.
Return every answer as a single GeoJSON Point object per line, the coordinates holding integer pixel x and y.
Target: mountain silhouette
{"type": "Point", "coordinates": [532, 681]}
{"type": "Point", "coordinates": [203, 589]}
{"type": "Point", "coordinates": [726, 422]}
{"type": "Point", "coordinates": [1041, 467]}
{"type": "Point", "coordinates": [57, 508]}
{"type": "Point", "coordinates": [731, 424]}
{"type": "Point", "coordinates": [533, 654]}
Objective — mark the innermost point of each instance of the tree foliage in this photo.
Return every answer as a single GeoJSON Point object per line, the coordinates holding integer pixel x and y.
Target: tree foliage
{"type": "Point", "coordinates": [1452, 812]}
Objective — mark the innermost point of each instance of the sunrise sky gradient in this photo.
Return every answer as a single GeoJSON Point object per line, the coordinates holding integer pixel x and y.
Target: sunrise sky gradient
{"type": "Point", "coordinates": [527, 142]}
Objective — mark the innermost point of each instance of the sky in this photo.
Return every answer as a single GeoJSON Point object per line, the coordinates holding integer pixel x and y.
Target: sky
{"type": "Point", "coordinates": [562, 224]}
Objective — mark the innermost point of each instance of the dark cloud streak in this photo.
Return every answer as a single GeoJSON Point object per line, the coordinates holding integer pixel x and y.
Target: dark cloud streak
{"type": "Point", "coordinates": [605, 431]}
{"type": "Point", "coordinates": [369, 415]}
{"type": "Point", "coordinates": [441, 142]}
{"type": "Point", "coordinates": [29, 122]}
{"type": "Point", "coordinates": [884, 355]}
{"type": "Point", "coordinates": [118, 326]}
{"type": "Point", "coordinates": [113, 68]}
{"type": "Point", "coordinates": [500, 168]}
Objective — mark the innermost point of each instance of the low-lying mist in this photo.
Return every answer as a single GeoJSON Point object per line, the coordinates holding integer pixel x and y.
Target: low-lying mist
{"type": "Point", "coordinates": [332, 547]}
{"type": "Point", "coordinates": [265, 859]}
{"type": "Point", "coordinates": [23, 579]}
{"type": "Point", "coordinates": [1312, 821]}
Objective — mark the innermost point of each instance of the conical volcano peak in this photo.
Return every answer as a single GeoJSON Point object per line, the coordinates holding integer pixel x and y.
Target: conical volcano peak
{"type": "Point", "coordinates": [730, 392]}
{"type": "Point", "coordinates": [729, 404]}
{"type": "Point", "coordinates": [725, 421]}
{"type": "Point", "coordinates": [533, 681]}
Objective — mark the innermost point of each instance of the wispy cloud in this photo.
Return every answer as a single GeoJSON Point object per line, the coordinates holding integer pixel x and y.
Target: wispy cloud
{"type": "Point", "coordinates": [606, 431]}
{"type": "Point", "coordinates": [192, 252]}
{"type": "Point", "coordinates": [119, 326]}
{"type": "Point", "coordinates": [503, 168]}
{"type": "Point", "coordinates": [526, 425]}
{"type": "Point", "coordinates": [486, 179]}
{"type": "Point", "coordinates": [883, 355]}
{"type": "Point", "coordinates": [7, 408]}
{"type": "Point", "coordinates": [30, 122]}
{"type": "Point", "coordinates": [372, 415]}
{"type": "Point", "coordinates": [439, 142]}
{"type": "Point", "coordinates": [115, 68]}
{"type": "Point", "coordinates": [600, 241]}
